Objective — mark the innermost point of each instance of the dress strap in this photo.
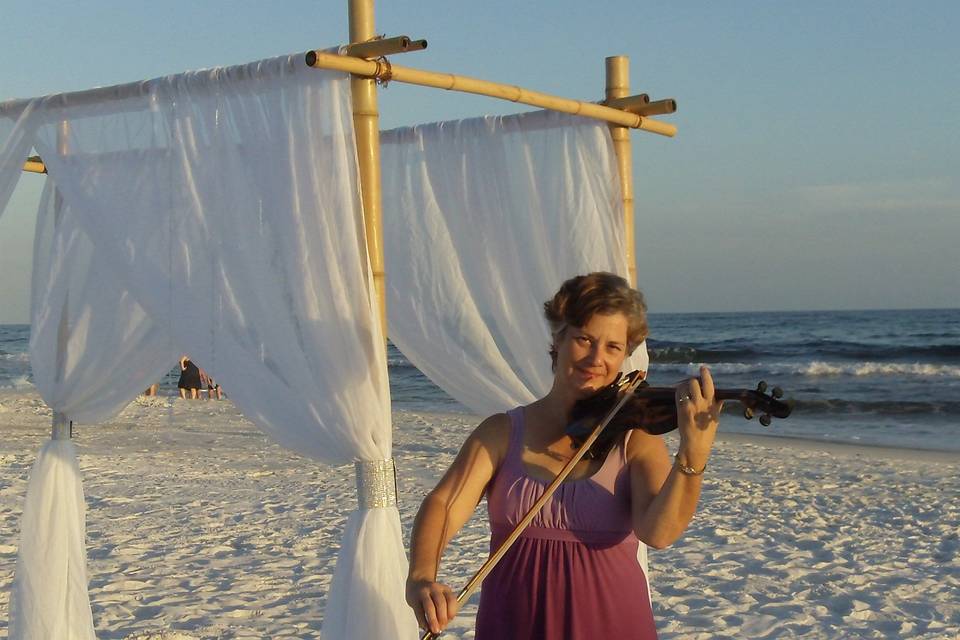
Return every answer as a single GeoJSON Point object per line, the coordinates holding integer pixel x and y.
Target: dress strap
{"type": "Point", "coordinates": [623, 446]}
{"type": "Point", "coordinates": [514, 457]}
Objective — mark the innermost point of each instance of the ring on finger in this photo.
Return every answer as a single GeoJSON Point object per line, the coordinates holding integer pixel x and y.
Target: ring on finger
{"type": "Point", "coordinates": [683, 398]}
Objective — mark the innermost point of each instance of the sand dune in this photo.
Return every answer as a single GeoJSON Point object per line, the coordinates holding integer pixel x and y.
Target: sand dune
{"type": "Point", "coordinates": [198, 526]}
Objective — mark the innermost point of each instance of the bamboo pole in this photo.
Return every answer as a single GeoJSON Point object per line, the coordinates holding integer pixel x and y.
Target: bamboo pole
{"type": "Point", "coordinates": [449, 81]}
{"type": "Point", "coordinates": [60, 428]}
{"type": "Point", "coordinates": [618, 86]}
{"type": "Point", "coordinates": [366, 123]}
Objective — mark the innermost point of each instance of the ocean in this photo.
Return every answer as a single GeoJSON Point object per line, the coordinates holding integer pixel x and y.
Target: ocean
{"type": "Point", "coordinates": [867, 377]}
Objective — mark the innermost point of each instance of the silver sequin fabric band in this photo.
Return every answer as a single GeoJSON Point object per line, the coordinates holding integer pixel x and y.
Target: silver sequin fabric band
{"type": "Point", "coordinates": [376, 484]}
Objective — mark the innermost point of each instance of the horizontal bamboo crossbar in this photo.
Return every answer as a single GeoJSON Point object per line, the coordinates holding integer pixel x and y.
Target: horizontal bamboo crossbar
{"type": "Point", "coordinates": [376, 69]}
{"type": "Point", "coordinates": [449, 81]}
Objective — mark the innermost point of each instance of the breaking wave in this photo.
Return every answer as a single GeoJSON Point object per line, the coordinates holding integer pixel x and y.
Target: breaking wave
{"type": "Point", "coordinates": [819, 368]}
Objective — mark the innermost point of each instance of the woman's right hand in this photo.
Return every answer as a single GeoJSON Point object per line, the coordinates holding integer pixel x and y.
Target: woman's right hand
{"type": "Point", "coordinates": [433, 603]}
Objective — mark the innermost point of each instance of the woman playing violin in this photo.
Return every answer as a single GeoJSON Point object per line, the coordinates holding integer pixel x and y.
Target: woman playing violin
{"type": "Point", "coordinates": [574, 572]}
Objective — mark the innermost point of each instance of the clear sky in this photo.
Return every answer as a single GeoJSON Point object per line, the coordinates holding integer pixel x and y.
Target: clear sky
{"type": "Point", "coordinates": [816, 165]}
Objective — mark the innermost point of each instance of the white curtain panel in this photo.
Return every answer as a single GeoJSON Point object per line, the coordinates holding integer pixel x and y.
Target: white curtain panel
{"type": "Point", "coordinates": [83, 324]}
{"type": "Point", "coordinates": [112, 349]}
{"type": "Point", "coordinates": [483, 220]}
{"type": "Point", "coordinates": [225, 203]}
{"type": "Point", "coordinates": [48, 598]}
{"type": "Point", "coordinates": [16, 139]}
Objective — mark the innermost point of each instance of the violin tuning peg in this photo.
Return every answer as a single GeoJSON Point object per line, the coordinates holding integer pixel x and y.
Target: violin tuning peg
{"type": "Point", "coordinates": [765, 419]}
{"type": "Point", "coordinates": [748, 413]}
{"type": "Point", "coordinates": [777, 392]}
{"type": "Point", "coordinates": [762, 386]}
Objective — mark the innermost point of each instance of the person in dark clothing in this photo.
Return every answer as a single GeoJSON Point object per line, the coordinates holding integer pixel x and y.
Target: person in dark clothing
{"type": "Point", "coordinates": [189, 382]}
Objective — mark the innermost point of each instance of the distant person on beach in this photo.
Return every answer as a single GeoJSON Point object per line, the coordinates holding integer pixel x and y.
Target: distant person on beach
{"type": "Point", "coordinates": [574, 572]}
{"type": "Point", "coordinates": [213, 389]}
{"type": "Point", "coordinates": [190, 382]}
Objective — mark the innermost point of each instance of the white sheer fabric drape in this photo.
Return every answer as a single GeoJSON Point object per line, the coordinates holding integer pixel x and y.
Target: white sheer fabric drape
{"type": "Point", "coordinates": [483, 219]}
{"type": "Point", "coordinates": [16, 139]}
{"type": "Point", "coordinates": [224, 204]}
{"type": "Point", "coordinates": [83, 324]}
{"type": "Point", "coordinates": [92, 346]}
{"type": "Point", "coordinates": [49, 595]}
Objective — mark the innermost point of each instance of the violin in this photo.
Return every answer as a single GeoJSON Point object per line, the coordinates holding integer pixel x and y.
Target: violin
{"type": "Point", "coordinates": [654, 410]}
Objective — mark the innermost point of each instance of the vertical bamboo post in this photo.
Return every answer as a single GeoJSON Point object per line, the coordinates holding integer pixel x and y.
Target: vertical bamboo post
{"type": "Point", "coordinates": [618, 86]}
{"type": "Point", "coordinates": [61, 428]}
{"type": "Point", "coordinates": [366, 122]}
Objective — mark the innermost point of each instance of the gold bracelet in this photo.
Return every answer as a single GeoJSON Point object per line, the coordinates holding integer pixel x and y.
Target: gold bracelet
{"type": "Point", "coordinates": [685, 469]}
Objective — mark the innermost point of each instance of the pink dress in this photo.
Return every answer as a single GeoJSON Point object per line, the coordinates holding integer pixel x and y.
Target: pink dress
{"type": "Point", "coordinates": [573, 574]}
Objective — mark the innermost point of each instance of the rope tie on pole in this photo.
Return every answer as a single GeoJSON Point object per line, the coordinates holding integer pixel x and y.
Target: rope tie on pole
{"type": "Point", "coordinates": [384, 73]}
{"type": "Point", "coordinates": [376, 483]}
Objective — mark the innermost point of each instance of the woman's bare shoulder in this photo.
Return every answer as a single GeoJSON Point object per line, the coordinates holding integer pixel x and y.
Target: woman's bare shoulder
{"type": "Point", "coordinates": [480, 456]}
{"type": "Point", "coordinates": [493, 434]}
{"type": "Point", "coordinates": [494, 429]}
{"type": "Point", "coordinates": [641, 444]}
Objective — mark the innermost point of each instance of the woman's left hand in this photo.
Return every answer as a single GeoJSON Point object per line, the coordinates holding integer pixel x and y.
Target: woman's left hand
{"type": "Point", "coordinates": [698, 416]}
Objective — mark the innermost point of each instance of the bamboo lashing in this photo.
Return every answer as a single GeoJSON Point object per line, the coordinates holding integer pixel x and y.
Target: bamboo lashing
{"type": "Point", "coordinates": [618, 88]}
{"type": "Point", "coordinates": [451, 82]}
{"type": "Point", "coordinates": [497, 555]}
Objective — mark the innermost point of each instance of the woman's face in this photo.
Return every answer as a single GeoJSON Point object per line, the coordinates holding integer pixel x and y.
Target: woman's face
{"type": "Point", "coordinates": [589, 357]}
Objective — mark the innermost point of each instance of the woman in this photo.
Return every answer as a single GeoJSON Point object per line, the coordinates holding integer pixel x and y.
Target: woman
{"type": "Point", "coordinates": [574, 573]}
{"type": "Point", "coordinates": [190, 381]}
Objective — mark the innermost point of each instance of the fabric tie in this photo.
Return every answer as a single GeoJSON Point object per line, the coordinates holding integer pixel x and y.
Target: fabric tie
{"type": "Point", "coordinates": [376, 483]}
{"type": "Point", "coordinates": [62, 427]}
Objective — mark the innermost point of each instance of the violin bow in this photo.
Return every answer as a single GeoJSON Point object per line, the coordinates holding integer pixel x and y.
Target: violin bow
{"type": "Point", "coordinates": [496, 556]}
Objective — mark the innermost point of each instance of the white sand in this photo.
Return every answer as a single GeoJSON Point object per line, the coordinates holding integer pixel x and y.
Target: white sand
{"type": "Point", "coordinates": [199, 527]}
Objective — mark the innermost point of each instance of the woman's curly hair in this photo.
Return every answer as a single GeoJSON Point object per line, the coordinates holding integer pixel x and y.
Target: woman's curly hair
{"type": "Point", "coordinates": [581, 297]}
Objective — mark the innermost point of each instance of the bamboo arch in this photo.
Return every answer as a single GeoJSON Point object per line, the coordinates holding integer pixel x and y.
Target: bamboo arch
{"type": "Point", "coordinates": [621, 110]}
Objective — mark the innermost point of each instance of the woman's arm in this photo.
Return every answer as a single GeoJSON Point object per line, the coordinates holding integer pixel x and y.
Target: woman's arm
{"type": "Point", "coordinates": [443, 512]}
{"type": "Point", "coordinates": [665, 498]}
